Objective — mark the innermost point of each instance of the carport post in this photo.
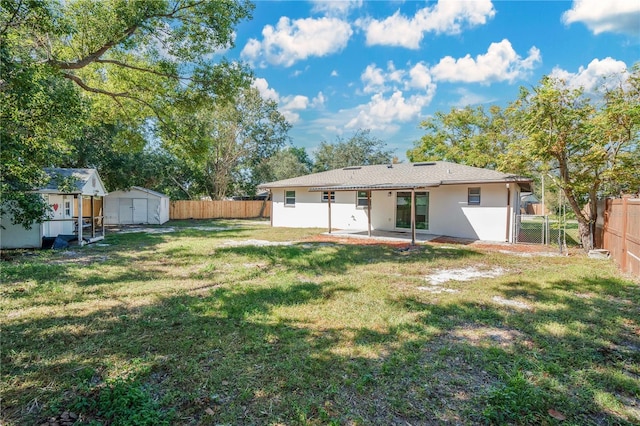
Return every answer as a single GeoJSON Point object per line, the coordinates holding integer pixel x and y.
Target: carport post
{"type": "Point", "coordinates": [368, 213]}
{"type": "Point", "coordinates": [329, 208]}
{"type": "Point", "coordinates": [93, 220]}
{"type": "Point", "coordinates": [80, 200]}
{"type": "Point", "coordinates": [413, 216]}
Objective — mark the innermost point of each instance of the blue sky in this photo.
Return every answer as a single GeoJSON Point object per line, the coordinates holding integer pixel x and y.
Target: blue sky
{"type": "Point", "coordinates": [338, 66]}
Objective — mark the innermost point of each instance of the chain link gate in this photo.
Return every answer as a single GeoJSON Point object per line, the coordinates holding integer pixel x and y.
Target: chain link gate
{"type": "Point", "coordinates": [537, 229]}
{"type": "Point", "coordinates": [531, 229]}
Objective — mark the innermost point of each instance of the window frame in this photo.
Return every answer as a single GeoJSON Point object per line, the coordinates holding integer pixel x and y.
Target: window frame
{"type": "Point", "coordinates": [287, 198]}
{"type": "Point", "coordinates": [366, 199]}
{"type": "Point", "coordinates": [324, 196]}
{"type": "Point", "coordinates": [472, 195]}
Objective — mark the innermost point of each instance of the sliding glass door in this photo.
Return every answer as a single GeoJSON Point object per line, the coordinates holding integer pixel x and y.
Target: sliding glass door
{"type": "Point", "coordinates": [403, 210]}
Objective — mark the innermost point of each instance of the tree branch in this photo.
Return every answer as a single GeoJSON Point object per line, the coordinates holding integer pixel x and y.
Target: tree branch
{"type": "Point", "coordinates": [10, 20]}
{"type": "Point", "coordinates": [112, 95]}
{"type": "Point", "coordinates": [92, 57]}
{"type": "Point", "coordinates": [133, 67]}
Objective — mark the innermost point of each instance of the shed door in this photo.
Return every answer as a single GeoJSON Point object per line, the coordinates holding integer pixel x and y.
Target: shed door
{"type": "Point", "coordinates": [125, 211]}
{"type": "Point", "coordinates": [139, 210]}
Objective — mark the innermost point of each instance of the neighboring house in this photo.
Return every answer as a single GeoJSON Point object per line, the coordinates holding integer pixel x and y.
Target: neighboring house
{"type": "Point", "coordinates": [69, 219]}
{"type": "Point", "coordinates": [432, 197]}
{"type": "Point", "coordinates": [136, 206]}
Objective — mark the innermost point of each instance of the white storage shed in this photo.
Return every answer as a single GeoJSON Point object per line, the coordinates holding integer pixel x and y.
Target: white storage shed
{"type": "Point", "coordinates": [136, 206]}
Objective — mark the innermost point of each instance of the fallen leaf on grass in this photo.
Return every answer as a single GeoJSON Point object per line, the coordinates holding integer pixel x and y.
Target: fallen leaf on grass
{"type": "Point", "coordinates": [556, 414]}
{"type": "Point", "coordinates": [209, 411]}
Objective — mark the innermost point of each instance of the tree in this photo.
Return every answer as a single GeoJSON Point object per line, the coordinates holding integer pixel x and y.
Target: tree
{"type": "Point", "coordinates": [70, 63]}
{"type": "Point", "coordinates": [588, 145]}
{"type": "Point", "coordinates": [287, 163]}
{"type": "Point", "coordinates": [39, 113]}
{"type": "Point", "coordinates": [360, 150]}
{"type": "Point", "coordinates": [468, 136]}
{"type": "Point", "coordinates": [226, 141]}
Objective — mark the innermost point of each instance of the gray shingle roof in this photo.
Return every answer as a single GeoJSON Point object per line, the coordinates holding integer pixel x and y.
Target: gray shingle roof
{"type": "Point", "coordinates": [81, 177]}
{"type": "Point", "coordinates": [397, 176]}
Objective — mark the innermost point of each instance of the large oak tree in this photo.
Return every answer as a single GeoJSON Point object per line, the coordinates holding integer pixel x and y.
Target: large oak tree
{"type": "Point", "coordinates": [69, 64]}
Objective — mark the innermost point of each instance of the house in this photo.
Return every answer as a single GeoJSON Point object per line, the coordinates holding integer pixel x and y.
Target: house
{"type": "Point", "coordinates": [437, 197]}
{"type": "Point", "coordinates": [76, 211]}
{"type": "Point", "coordinates": [136, 206]}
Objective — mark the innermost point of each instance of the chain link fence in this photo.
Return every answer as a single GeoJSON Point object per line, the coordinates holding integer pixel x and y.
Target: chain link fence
{"type": "Point", "coordinates": [551, 230]}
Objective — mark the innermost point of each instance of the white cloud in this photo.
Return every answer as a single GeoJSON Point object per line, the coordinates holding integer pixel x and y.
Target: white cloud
{"type": "Point", "coordinates": [265, 91]}
{"type": "Point", "coordinates": [336, 7]}
{"type": "Point", "coordinates": [447, 16]}
{"type": "Point", "coordinates": [296, 102]}
{"type": "Point", "coordinates": [591, 77]}
{"type": "Point", "coordinates": [318, 101]}
{"type": "Point", "coordinates": [292, 41]}
{"type": "Point", "coordinates": [382, 113]}
{"type": "Point", "coordinates": [373, 78]}
{"type": "Point", "coordinates": [420, 78]}
{"type": "Point", "coordinates": [334, 73]}
{"type": "Point", "coordinates": [619, 16]}
{"type": "Point", "coordinates": [469, 98]}
{"type": "Point", "coordinates": [377, 80]}
{"type": "Point", "coordinates": [500, 63]}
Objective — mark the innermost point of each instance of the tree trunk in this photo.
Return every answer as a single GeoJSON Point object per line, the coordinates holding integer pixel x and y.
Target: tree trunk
{"type": "Point", "coordinates": [584, 231]}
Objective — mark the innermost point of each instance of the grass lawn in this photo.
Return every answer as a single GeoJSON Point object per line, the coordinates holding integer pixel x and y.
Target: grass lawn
{"type": "Point", "coordinates": [193, 327]}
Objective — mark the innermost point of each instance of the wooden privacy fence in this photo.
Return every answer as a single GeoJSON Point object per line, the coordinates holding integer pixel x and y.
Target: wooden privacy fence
{"type": "Point", "coordinates": [219, 209]}
{"type": "Point", "coordinates": [621, 232]}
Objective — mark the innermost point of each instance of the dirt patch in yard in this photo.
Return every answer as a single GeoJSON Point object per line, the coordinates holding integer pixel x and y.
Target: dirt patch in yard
{"type": "Point", "coordinates": [442, 242]}
{"type": "Point", "coordinates": [507, 248]}
{"type": "Point", "coordinates": [353, 241]}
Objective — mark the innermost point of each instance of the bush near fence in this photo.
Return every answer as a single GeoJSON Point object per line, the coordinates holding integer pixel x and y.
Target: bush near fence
{"type": "Point", "coordinates": [219, 209]}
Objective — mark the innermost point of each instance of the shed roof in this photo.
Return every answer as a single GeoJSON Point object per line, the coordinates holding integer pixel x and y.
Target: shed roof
{"type": "Point", "coordinates": [150, 191]}
{"type": "Point", "coordinates": [398, 176]}
{"type": "Point", "coordinates": [82, 183]}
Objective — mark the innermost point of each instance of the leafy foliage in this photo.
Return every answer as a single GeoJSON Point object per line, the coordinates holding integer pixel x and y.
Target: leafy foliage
{"type": "Point", "coordinates": [287, 163]}
{"type": "Point", "coordinates": [468, 136]}
{"type": "Point", "coordinates": [226, 141]}
{"type": "Point", "coordinates": [360, 150]}
{"type": "Point", "coordinates": [91, 63]}
{"type": "Point", "coordinates": [589, 145]}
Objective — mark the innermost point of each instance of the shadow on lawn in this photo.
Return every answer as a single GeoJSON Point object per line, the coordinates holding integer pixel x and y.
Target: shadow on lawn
{"type": "Point", "coordinates": [226, 357]}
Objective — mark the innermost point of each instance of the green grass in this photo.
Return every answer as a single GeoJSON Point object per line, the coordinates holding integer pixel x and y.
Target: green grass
{"type": "Point", "coordinates": [187, 328]}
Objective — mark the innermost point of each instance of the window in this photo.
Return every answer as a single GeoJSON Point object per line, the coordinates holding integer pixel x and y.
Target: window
{"type": "Point", "coordinates": [474, 196]}
{"type": "Point", "coordinates": [362, 199]}
{"type": "Point", "coordinates": [325, 197]}
{"type": "Point", "coordinates": [67, 208]}
{"type": "Point", "coordinates": [290, 198]}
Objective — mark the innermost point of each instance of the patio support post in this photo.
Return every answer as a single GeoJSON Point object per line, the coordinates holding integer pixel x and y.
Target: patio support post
{"type": "Point", "coordinates": [93, 219]}
{"type": "Point", "coordinates": [508, 213]}
{"type": "Point", "coordinates": [369, 213]}
{"type": "Point", "coordinates": [329, 208]}
{"type": "Point", "coordinates": [413, 216]}
{"type": "Point", "coordinates": [80, 219]}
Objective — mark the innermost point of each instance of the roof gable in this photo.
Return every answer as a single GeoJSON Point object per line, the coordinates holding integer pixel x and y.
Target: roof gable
{"type": "Point", "coordinates": [82, 181]}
